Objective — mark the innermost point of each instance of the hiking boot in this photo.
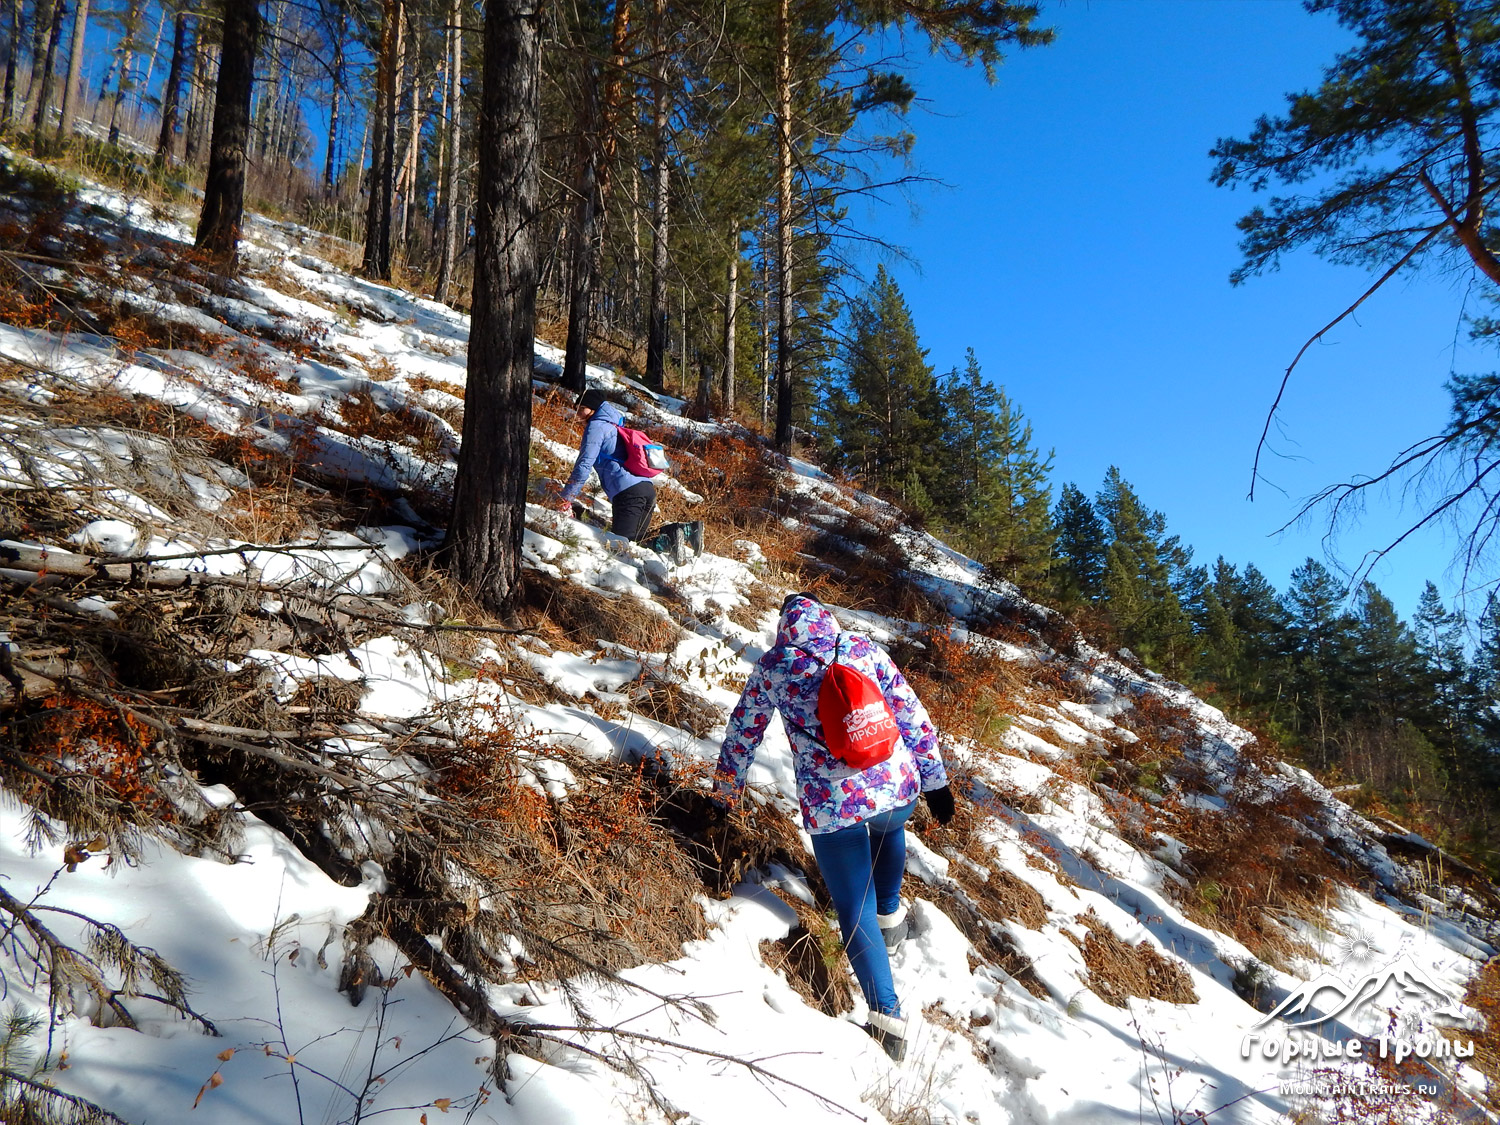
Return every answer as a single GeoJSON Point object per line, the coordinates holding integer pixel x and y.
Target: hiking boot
{"type": "Point", "coordinates": [695, 536]}
{"type": "Point", "coordinates": [893, 927]}
{"type": "Point", "coordinates": [679, 541]}
{"type": "Point", "coordinates": [890, 1033]}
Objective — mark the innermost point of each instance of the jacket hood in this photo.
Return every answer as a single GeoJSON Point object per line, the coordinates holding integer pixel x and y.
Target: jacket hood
{"type": "Point", "coordinates": [608, 412]}
{"type": "Point", "coordinates": [808, 624]}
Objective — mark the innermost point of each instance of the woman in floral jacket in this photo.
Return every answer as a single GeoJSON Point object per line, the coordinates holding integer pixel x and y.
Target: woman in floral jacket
{"type": "Point", "coordinates": [856, 818]}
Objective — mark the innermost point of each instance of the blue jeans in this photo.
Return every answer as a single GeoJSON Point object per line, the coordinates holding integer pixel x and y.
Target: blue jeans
{"type": "Point", "coordinates": [862, 866]}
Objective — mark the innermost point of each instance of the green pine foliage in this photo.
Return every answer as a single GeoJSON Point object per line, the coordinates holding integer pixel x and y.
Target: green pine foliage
{"type": "Point", "coordinates": [1138, 588]}
{"type": "Point", "coordinates": [887, 415]}
{"type": "Point", "coordinates": [1079, 545]}
{"type": "Point", "coordinates": [994, 490]}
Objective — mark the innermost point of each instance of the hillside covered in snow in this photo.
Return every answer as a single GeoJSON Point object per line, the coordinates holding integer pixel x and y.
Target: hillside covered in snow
{"type": "Point", "coordinates": [292, 832]}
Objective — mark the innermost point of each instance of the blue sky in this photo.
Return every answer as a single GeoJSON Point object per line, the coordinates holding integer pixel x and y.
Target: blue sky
{"type": "Point", "coordinates": [1081, 251]}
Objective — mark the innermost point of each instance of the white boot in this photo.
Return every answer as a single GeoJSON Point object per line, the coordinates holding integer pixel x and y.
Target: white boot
{"type": "Point", "coordinates": [893, 927]}
{"type": "Point", "coordinates": [890, 1033]}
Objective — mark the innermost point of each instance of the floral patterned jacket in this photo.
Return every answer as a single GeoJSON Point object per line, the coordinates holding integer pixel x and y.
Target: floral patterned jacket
{"type": "Point", "coordinates": [833, 795]}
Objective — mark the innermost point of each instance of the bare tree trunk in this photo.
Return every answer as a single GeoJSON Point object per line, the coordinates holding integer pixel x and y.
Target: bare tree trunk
{"type": "Point", "coordinates": [489, 493]}
{"type": "Point", "coordinates": [41, 26]}
{"type": "Point", "coordinates": [731, 317]}
{"type": "Point", "coordinates": [765, 332]}
{"type": "Point", "coordinates": [123, 80]}
{"type": "Point", "coordinates": [377, 261]}
{"type": "Point", "coordinates": [71, 92]}
{"type": "Point", "coordinates": [783, 438]}
{"type": "Point", "coordinates": [413, 146]}
{"type": "Point", "coordinates": [192, 128]}
{"type": "Point", "coordinates": [44, 92]}
{"type": "Point", "coordinates": [581, 271]}
{"type": "Point", "coordinates": [12, 60]}
{"type": "Point", "coordinates": [451, 137]}
{"type": "Point", "coordinates": [171, 94]}
{"type": "Point", "coordinates": [224, 189]}
{"type": "Point", "coordinates": [330, 160]}
{"type": "Point", "coordinates": [657, 327]}
{"type": "Point", "coordinates": [265, 103]}
{"type": "Point", "coordinates": [143, 87]}
{"type": "Point", "coordinates": [596, 158]}
{"type": "Point", "coordinates": [635, 242]}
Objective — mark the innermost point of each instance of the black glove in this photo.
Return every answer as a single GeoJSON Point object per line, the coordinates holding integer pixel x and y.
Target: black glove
{"type": "Point", "coordinates": [940, 801]}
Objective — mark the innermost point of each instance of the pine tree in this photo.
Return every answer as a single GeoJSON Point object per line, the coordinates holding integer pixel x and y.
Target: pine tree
{"type": "Point", "coordinates": [1138, 573]}
{"type": "Point", "coordinates": [993, 488]}
{"type": "Point", "coordinates": [1388, 681]}
{"type": "Point", "coordinates": [1260, 637]}
{"type": "Point", "coordinates": [1450, 714]}
{"type": "Point", "coordinates": [1321, 645]}
{"type": "Point", "coordinates": [1078, 551]}
{"type": "Point", "coordinates": [890, 425]}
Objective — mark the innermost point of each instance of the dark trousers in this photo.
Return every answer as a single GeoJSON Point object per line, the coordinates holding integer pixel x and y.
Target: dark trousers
{"type": "Point", "coordinates": [632, 511]}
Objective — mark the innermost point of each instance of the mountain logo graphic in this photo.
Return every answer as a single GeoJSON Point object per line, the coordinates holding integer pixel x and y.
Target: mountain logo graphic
{"type": "Point", "coordinates": [1403, 972]}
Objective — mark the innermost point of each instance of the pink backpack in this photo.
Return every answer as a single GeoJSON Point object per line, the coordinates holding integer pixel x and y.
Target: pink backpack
{"type": "Point", "coordinates": [642, 457]}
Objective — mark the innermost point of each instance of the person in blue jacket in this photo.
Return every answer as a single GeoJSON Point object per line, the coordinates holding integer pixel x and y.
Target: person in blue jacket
{"type": "Point", "coordinates": [632, 499]}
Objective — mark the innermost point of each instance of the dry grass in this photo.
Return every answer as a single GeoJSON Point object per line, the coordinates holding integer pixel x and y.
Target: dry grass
{"type": "Point", "coordinates": [991, 943]}
{"type": "Point", "coordinates": [660, 694]}
{"type": "Point", "coordinates": [595, 877]}
{"type": "Point", "coordinates": [1000, 894]}
{"type": "Point", "coordinates": [811, 958]}
{"type": "Point", "coordinates": [1483, 995]}
{"type": "Point", "coordinates": [1253, 862]}
{"type": "Point", "coordinates": [579, 616]}
{"type": "Point", "coordinates": [966, 693]}
{"type": "Point", "coordinates": [1118, 970]}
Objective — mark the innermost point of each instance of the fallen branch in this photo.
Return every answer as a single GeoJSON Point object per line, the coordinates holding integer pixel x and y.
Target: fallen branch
{"type": "Point", "coordinates": [539, 1030]}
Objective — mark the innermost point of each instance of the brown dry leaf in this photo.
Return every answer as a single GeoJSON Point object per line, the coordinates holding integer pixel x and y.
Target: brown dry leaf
{"type": "Point", "coordinates": [443, 1103]}
{"type": "Point", "coordinates": [225, 1055]}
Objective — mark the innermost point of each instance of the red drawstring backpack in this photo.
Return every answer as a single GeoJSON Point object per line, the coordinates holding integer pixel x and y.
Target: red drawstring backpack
{"type": "Point", "coordinates": [858, 727]}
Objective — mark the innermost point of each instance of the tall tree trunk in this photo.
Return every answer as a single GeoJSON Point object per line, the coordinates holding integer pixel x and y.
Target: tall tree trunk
{"type": "Point", "coordinates": [581, 273]}
{"type": "Point", "coordinates": [171, 94]}
{"type": "Point", "coordinates": [731, 318]}
{"type": "Point", "coordinates": [635, 239]}
{"type": "Point", "coordinates": [44, 92]}
{"type": "Point", "coordinates": [265, 103]}
{"type": "Point", "coordinates": [12, 61]}
{"type": "Point", "coordinates": [765, 330]}
{"type": "Point", "coordinates": [657, 327]}
{"type": "Point", "coordinates": [451, 137]}
{"type": "Point", "coordinates": [224, 189]}
{"type": "Point", "coordinates": [413, 149]}
{"type": "Point", "coordinates": [41, 27]}
{"type": "Point", "coordinates": [123, 80]}
{"type": "Point", "coordinates": [783, 439]}
{"type": "Point", "coordinates": [377, 261]}
{"type": "Point", "coordinates": [330, 160]}
{"type": "Point", "coordinates": [489, 492]}
{"type": "Point", "coordinates": [597, 145]}
{"type": "Point", "coordinates": [192, 143]}
{"type": "Point", "coordinates": [71, 92]}
{"type": "Point", "coordinates": [143, 87]}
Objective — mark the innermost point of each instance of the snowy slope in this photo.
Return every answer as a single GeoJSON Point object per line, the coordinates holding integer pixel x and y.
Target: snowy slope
{"type": "Point", "coordinates": [1101, 993]}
